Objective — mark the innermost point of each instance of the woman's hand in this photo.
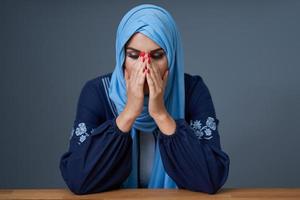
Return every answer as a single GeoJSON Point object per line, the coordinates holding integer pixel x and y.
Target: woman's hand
{"type": "Point", "coordinates": [157, 109]}
{"type": "Point", "coordinates": [157, 85]}
{"type": "Point", "coordinates": [135, 88]}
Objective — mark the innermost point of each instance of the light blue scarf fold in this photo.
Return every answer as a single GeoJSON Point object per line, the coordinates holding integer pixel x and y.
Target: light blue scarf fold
{"type": "Point", "coordinates": [157, 24]}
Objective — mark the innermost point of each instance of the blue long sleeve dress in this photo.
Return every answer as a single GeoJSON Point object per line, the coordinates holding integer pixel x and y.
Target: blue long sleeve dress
{"type": "Point", "coordinates": [99, 154]}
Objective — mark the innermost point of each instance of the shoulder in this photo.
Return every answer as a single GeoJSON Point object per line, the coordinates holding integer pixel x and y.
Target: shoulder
{"type": "Point", "coordinates": [97, 81]}
{"type": "Point", "coordinates": [93, 96]}
{"type": "Point", "coordinates": [96, 86]}
{"type": "Point", "coordinates": [198, 96]}
{"type": "Point", "coordinates": [93, 89]}
{"type": "Point", "coordinates": [192, 82]}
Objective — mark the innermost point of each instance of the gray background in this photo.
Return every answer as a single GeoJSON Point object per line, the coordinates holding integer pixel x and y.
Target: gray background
{"type": "Point", "coordinates": [246, 51]}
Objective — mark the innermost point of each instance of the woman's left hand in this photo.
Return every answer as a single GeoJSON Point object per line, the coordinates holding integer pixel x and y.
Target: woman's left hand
{"type": "Point", "coordinates": [157, 85]}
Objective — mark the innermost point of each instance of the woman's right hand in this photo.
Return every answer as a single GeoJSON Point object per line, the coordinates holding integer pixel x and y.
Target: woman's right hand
{"type": "Point", "coordinates": [135, 88]}
{"type": "Point", "coordinates": [135, 96]}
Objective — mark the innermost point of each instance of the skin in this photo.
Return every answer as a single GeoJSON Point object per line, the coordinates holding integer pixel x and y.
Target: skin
{"type": "Point", "coordinates": [143, 43]}
{"type": "Point", "coordinates": [145, 75]}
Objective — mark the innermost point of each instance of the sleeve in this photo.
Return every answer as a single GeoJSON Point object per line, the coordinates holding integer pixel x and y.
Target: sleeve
{"type": "Point", "coordinates": [99, 155]}
{"type": "Point", "coordinates": [192, 156]}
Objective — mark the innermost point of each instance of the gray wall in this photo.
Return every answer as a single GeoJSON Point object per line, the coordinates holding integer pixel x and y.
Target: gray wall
{"type": "Point", "coordinates": [246, 51]}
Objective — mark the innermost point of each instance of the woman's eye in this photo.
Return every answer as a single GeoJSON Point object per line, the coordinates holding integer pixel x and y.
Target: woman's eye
{"type": "Point", "coordinates": [157, 55]}
{"type": "Point", "coordinates": [133, 55]}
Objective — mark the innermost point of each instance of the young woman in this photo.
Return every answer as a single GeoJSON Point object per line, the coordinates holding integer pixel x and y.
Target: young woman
{"type": "Point", "coordinates": [147, 124]}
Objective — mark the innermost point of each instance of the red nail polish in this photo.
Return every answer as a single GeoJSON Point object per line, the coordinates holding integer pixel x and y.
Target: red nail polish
{"type": "Point", "coordinates": [143, 59]}
{"type": "Point", "coordinates": [142, 54]}
{"type": "Point", "coordinates": [148, 71]}
{"type": "Point", "coordinates": [149, 60]}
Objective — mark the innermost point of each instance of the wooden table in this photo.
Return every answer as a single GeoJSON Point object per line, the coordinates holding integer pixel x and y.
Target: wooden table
{"type": "Point", "coordinates": [157, 194]}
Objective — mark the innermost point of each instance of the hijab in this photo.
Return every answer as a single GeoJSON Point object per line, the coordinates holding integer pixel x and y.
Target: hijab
{"type": "Point", "coordinates": [157, 24]}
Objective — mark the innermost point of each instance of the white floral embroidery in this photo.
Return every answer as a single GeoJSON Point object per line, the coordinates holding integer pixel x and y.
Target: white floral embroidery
{"type": "Point", "coordinates": [207, 132]}
{"type": "Point", "coordinates": [204, 132]}
{"type": "Point", "coordinates": [81, 129]}
{"type": "Point", "coordinates": [82, 138]}
{"type": "Point", "coordinates": [210, 122]}
{"type": "Point", "coordinates": [81, 132]}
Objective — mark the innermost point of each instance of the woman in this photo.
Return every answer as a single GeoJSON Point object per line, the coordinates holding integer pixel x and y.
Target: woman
{"type": "Point", "coordinates": [148, 124]}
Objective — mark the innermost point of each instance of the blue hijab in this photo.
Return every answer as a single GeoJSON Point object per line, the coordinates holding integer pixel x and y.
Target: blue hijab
{"type": "Point", "coordinates": [157, 24]}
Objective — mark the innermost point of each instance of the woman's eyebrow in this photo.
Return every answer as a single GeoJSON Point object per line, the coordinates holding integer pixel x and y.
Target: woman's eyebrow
{"type": "Point", "coordinates": [140, 51]}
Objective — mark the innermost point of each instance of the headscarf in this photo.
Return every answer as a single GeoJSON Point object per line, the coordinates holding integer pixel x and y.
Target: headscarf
{"type": "Point", "coordinates": [157, 24]}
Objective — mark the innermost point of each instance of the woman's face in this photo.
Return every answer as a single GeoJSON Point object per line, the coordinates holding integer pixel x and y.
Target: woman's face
{"type": "Point", "coordinates": [138, 43]}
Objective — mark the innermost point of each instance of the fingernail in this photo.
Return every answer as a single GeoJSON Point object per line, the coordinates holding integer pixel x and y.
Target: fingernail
{"type": "Point", "coordinates": [149, 60]}
{"type": "Point", "coordinates": [142, 53]}
{"type": "Point", "coordinates": [148, 71]}
{"type": "Point", "coordinates": [143, 59]}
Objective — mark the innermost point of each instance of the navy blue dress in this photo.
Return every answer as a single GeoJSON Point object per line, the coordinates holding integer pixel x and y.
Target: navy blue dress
{"type": "Point", "coordinates": [99, 154]}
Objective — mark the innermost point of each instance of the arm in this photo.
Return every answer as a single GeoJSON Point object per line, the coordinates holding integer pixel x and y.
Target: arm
{"type": "Point", "coordinates": [99, 155]}
{"type": "Point", "coordinates": [192, 155]}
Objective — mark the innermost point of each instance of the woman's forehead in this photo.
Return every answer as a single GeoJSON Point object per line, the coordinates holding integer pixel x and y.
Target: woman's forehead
{"type": "Point", "coordinates": [152, 51]}
{"type": "Point", "coordinates": [140, 42]}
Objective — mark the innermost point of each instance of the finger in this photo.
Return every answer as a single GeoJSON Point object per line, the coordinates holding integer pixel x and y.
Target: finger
{"type": "Point", "coordinates": [156, 71]}
{"type": "Point", "coordinates": [142, 54]}
{"type": "Point", "coordinates": [126, 78]}
{"type": "Point", "coordinates": [153, 77]}
{"type": "Point", "coordinates": [150, 83]}
{"type": "Point", "coordinates": [157, 75]}
{"type": "Point", "coordinates": [165, 78]}
{"type": "Point", "coordinates": [141, 75]}
{"type": "Point", "coordinates": [150, 75]}
{"type": "Point", "coordinates": [149, 58]}
{"type": "Point", "coordinates": [137, 67]}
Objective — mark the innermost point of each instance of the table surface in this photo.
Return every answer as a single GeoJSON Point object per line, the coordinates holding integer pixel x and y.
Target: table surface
{"type": "Point", "coordinates": [149, 194]}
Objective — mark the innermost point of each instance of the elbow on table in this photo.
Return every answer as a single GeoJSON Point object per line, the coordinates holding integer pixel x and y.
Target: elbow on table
{"type": "Point", "coordinates": [212, 187]}
{"type": "Point", "coordinates": [217, 183]}
{"type": "Point", "coordinates": [204, 187]}
{"type": "Point", "coordinates": [80, 186]}
{"type": "Point", "coordinates": [76, 187]}
{"type": "Point", "coordinates": [207, 190]}
{"type": "Point", "coordinates": [76, 190]}
{"type": "Point", "coordinates": [75, 184]}
{"type": "Point", "coordinates": [213, 190]}
{"type": "Point", "coordinates": [79, 190]}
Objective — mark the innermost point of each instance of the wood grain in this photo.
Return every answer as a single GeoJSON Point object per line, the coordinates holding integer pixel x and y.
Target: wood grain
{"type": "Point", "coordinates": [157, 194]}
